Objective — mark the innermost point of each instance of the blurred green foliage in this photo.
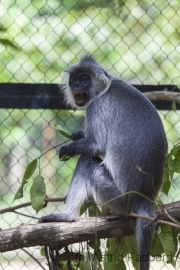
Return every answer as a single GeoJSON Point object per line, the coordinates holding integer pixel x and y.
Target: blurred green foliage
{"type": "Point", "coordinates": [138, 41]}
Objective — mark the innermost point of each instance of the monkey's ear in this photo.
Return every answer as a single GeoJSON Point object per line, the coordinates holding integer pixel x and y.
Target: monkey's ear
{"type": "Point", "coordinates": [107, 74]}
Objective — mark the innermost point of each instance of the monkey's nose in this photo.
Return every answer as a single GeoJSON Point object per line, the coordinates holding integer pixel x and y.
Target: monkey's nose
{"type": "Point", "coordinates": [76, 84]}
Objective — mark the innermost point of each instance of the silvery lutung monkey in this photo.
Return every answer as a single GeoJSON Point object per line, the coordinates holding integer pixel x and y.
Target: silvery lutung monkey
{"type": "Point", "coordinates": [124, 127]}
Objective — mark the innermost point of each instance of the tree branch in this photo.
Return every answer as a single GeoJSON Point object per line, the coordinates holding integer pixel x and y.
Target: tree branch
{"type": "Point", "coordinates": [58, 235]}
{"type": "Point", "coordinates": [163, 95]}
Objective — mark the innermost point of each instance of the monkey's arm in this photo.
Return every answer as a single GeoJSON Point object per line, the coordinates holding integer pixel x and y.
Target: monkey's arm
{"type": "Point", "coordinates": [84, 146]}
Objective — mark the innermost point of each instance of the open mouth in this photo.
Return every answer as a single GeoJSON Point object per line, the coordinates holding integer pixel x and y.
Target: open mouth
{"type": "Point", "coordinates": [80, 98]}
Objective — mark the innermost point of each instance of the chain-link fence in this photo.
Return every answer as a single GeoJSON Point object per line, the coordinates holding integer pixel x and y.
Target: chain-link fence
{"type": "Point", "coordinates": [138, 41]}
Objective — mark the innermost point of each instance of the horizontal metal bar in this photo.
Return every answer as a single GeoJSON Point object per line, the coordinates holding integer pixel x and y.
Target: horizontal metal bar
{"type": "Point", "coordinates": [47, 96]}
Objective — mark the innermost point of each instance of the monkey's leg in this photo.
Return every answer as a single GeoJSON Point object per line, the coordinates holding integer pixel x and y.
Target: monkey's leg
{"type": "Point", "coordinates": [90, 181]}
{"type": "Point", "coordinates": [76, 196]}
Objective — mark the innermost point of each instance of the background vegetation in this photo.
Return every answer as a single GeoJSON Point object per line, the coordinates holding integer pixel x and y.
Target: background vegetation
{"type": "Point", "coordinates": [138, 41]}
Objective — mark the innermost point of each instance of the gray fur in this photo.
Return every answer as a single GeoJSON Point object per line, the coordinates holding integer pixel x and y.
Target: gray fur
{"type": "Point", "coordinates": [124, 127]}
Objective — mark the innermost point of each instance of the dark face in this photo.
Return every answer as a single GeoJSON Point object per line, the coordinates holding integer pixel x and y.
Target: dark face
{"type": "Point", "coordinates": [80, 84]}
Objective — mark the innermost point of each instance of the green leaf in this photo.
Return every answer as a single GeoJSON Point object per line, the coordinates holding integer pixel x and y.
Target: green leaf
{"type": "Point", "coordinates": [28, 173]}
{"type": "Point", "coordinates": [166, 187]}
{"type": "Point", "coordinates": [113, 246]}
{"type": "Point", "coordinates": [43, 252]}
{"type": "Point", "coordinates": [174, 161]}
{"type": "Point", "coordinates": [38, 193]}
{"type": "Point", "coordinates": [95, 244]}
{"type": "Point", "coordinates": [167, 183]}
{"type": "Point", "coordinates": [117, 251]}
{"type": "Point", "coordinates": [174, 106]}
{"type": "Point", "coordinates": [6, 42]}
{"type": "Point", "coordinates": [167, 241]}
{"type": "Point", "coordinates": [127, 248]}
{"type": "Point", "coordinates": [65, 158]}
{"type": "Point", "coordinates": [130, 246]}
{"type": "Point", "coordinates": [83, 208]}
{"type": "Point", "coordinates": [116, 266]}
{"type": "Point", "coordinates": [156, 248]}
{"type": "Point", "coordinates": [84, 264]}
{"type": "Point", "coordinates": [2, 28]}
{"type": "Point", "coordinates": [94, 211]}
{"type": "Point", "coordinates": [135, 262]}
{"type": "Point", "coordinates": [19, 193]}
{"type": "Point", "coordinates": [62, 131]}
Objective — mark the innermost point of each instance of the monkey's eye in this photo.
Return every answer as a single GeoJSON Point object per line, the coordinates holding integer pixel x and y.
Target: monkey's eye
{"type": "Point", "coordinates": [84, 78]}
{"type": "Point", "coordinates": [71, 79]}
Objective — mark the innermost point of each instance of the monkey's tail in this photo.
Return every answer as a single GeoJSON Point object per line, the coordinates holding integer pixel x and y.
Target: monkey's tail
{"type": "Point", "coordinates": [143, 236]}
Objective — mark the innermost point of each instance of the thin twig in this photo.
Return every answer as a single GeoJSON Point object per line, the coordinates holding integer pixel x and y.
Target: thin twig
{"type": "Point", "coordinates": [25, 215]}
{"type": "Point", "coordinates": [170, 217]}
{"type": "Point", "coordinates": [12, 209]}
{"type": "Point", "coordinates": [155, 219]}
{"type": "Point", "coordinates": [47, 257]}
{"type": "Point", "coordinates": [68, 261]}
{"type": "Point", "coordinates": [89, 257]}
{"type": "Point", "coordinates": [2, 268]}
{"type": "Point", "coordinates": [53, 259]}
{"type": "Point", "coordinates": [34, 258]}
{"type": "Point", "coordinates": [158, 221]}
{"type": "Point", "coordinates": [53, 148]}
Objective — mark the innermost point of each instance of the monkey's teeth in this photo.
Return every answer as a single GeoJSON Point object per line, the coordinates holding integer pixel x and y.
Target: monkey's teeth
{"type": "Point", "coordinates": [79, 96]}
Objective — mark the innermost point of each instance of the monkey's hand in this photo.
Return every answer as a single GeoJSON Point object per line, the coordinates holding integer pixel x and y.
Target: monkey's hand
{"type": "Point", "coordinates": [63, 151]}
{"type": "Point", "coordinates": [77, 136]}
{"type": "Point", "coordinates": [67, 150]}
{"type": "Point", "coordinates": [56, 218]}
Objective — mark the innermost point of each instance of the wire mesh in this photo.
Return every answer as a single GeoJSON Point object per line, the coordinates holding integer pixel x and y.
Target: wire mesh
{"type": "Point", "coordinates": [135, 40]}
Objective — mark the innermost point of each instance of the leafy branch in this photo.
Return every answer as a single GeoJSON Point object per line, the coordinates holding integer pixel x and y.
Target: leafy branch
{"type": "Point", "coordinates": [38, 189]}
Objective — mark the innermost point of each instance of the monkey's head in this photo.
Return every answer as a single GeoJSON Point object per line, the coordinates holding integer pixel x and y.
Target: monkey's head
{"type": "Point", "coordinates": [84, 82]}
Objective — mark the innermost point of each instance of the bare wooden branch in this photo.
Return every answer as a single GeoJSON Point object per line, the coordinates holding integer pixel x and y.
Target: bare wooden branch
{"type": "Point", "coordinates": [163, 95]}
{"type": "Point", "coordinates": [58, 235]}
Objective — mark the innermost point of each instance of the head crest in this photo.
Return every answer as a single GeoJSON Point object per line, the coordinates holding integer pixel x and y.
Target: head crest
{"type": "Point", "coordinates": [88, 60]}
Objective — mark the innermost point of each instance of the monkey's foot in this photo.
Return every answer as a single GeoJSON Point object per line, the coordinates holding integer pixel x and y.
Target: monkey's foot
{"type": "Point", "coordinates": [56, 218]}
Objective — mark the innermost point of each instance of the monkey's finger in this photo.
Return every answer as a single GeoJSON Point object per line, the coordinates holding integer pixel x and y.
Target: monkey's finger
{"type": "Point", "coordinates": [77, 136]}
